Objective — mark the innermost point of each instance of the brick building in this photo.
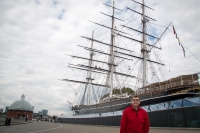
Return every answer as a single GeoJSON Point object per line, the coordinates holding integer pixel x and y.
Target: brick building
{"type": "Point", "coordinates": [20, 109]}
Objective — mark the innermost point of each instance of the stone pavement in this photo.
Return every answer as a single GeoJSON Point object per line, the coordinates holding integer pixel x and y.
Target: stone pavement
{"type": "Point", "coordinates": [49, 127]}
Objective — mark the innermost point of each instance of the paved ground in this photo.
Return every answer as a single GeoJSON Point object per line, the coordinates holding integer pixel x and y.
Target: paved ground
{"type": "Point", "coordinates": [49, 127]}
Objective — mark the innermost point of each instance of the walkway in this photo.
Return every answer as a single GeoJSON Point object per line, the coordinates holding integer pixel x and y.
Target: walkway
{"type": "Point", "coordinates": [49, 127]}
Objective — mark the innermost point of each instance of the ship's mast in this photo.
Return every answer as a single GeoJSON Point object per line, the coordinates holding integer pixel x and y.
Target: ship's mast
{"type": "Point", "coordinates": [111, 65]}
{"type": "Point", "coordinates": [144, 48]}
{"type": "Point", "coordinates": [89, 78]}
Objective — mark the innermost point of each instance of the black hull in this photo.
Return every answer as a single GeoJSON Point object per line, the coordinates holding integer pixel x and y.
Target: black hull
{"type": "Point", "coordinates": [124, 103]}
{"type": "Point", "coordinates": [111, 106]}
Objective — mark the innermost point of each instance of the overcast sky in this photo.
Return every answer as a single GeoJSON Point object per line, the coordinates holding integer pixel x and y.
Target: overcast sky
{"type": "Point", "coordinates": [35, 35]}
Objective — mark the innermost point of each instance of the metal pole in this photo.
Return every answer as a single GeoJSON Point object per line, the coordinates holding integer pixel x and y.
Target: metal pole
{"type": "Point", "coordinates": [144, 49]}
{"type": "Point", "coordinates": [90, 72]}
{"type": "Point", "coordinates": [112, 54]}
{"type": "Point", "coordinates": [181, 81]}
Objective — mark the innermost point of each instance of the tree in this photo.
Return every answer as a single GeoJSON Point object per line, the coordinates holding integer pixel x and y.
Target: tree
{"type": "Point", "coordinates": [124, 90]}
{"type": "Point", "coordinates": [54, 117]}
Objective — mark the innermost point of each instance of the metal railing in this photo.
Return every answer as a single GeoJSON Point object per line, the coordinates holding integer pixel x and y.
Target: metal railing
{"type": "Point", "coordinates": [168, 86]}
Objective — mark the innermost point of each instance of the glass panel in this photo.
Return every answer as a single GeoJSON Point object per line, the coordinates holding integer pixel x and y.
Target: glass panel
{"type": "Point", "coordinates": [161, 107]}
{"type": "Point", "coordinates": [171, 105]}
{"type": "Point", "coordinates": [153, 119]}
{"type": "Point", "coordinates": [110, 120]}
{"type": "Point", "coordinates": [192, 119]}
{"type": "Point", "coordinates": [116, 120]}
{"type": "Point", "coordinates": [194, 100]}
{"type": "Point", "coordinates": [175, 104]}
{"type": "Point", "coordinates": [145, 108]}
{"type": "Point", "coordinates": [163, 118]}
{"type": "Point", "coordinates": [178, 102]}
{"type": "Point", "coordinates": [166, 104]}
{"type": "Point", "coordinates": [188, 103]}
{"type": "Point", "coordinates": [153, 107]}
{"type": "Point", "coordinates": [177, 118]}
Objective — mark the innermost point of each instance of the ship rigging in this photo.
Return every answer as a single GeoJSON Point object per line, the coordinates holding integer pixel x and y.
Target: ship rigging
{"type": "Point", "coordinates": [110, 93]}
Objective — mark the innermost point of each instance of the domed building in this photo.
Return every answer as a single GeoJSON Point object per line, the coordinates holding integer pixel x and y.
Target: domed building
{"type": "Point", "coordinates": [20, 108]}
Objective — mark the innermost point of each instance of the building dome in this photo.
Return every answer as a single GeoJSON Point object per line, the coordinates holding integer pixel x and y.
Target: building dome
{"type": "Point", "coordinates": [21, 105]}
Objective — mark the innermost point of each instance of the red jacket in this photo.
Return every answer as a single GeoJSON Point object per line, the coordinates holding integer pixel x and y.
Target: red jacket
{"type": "Point", "coordinates": [134, 121]}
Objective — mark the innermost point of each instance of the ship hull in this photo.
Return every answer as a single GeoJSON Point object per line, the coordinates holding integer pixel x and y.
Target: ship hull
{"type": "Point", "coordinates": [120, 104]}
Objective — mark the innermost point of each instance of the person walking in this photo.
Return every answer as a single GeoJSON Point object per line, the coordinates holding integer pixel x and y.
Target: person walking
{"type": "Point", "coordinates": [26, 118]}
{"type": "Point", "coordinates": [134, 118]}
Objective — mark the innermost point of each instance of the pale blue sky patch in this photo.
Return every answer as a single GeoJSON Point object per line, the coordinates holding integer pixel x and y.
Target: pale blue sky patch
{"type": "Point", "coordinates": [61, 14]}
{"type": "Point", "coordinates": [37, 2]}
{"type": "Point", "coordinates": [55, 2]}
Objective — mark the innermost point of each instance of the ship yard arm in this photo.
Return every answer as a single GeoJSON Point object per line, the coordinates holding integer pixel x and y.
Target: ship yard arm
{"type": "Point", "coordinates": [139, 58]}
{"type": "Point", "coordinates": [106, 44]}
{"type": "Point", "coordinates": [101, 52]}
{"type": "Point", "coordinates": [100, 69]}
{"type": "Point", "coordinates": [82, 82]}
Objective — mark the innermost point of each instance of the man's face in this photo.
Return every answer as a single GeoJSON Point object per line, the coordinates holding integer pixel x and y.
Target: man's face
{"type": "Point", "coordinates": [135, 101]}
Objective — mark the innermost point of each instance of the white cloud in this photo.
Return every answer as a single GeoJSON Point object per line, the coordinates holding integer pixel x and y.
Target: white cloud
{"type": "Point", "coordinates": [36, 35]}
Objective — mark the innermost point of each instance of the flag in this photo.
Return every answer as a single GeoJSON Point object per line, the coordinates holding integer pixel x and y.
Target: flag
{"type": "Point", "coordinates": [183, 50]}
{"type": "Point", "coordinates": [174, 30]}
{"type": "Point", "coordinates": [179, 41]}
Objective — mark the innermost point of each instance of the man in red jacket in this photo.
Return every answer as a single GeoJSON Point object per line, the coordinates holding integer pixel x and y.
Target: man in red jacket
{"type": "Point", "coordinates": [134, 118]}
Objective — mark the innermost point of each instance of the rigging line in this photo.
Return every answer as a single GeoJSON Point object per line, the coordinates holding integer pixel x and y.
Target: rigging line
{"type": "Point", "coordinates": [190, 51]}
{"type": "Point", "coordinates": [99, 26]}
{"type": "Point", "coordinates": [73, 88]}
{"type": "Point", "coordinates": [147, 12]}
{"type": "Point", "coordinates": [125, 78]}
{"type": "Point", "coordinates": [125, 13]}
{"type": "Point", "coordinates": [183, 62]}
{"type": "Point", "coordinates": [186, 48]}
{"type": "Point", "coordinates": [152, 69]}
{"type": "Point", "coordinates": [93, 98]}
{"type": "Point", "coordinates": [81, 86]}
{"type": "Point", "coordinates": [149, 31]}
{"type": "Point", "coordinates": [161, 67]}
{"type": "Point", "coordinates": [97, 92]}
{"type": "Point", "coordinates": [101, 34]}
{"type": "Point", "coordinates": [138, 29]}
{"type": "Point", "coordinates": [152, 32]}
{"type": "Point", "coordinates": [102, 31]}
{"type": "Point", "coordinates": [158, 25]}
{"type": "Point", "coordinates": [104, 88]}
{"type": "Point", "coordinates": [187, 67]}
{"type": "Point", "coordinates": [139, 73]}
{"type": "Point", "coordinates": [169, 48]}
{"type": "Point", "coordinates": [131, 21]}
{"type": "Point", "coordinates": [130, 40]}
{"type": "Point", "coordinates": [70, 94]}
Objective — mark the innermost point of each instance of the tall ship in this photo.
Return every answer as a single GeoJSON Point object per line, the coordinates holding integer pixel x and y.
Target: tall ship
{"type": "Point", "coordinates": [123, 58]}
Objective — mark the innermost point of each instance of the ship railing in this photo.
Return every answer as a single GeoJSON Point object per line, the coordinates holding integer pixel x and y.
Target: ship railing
{"type": "Point", "coordinates": [167, 86]}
